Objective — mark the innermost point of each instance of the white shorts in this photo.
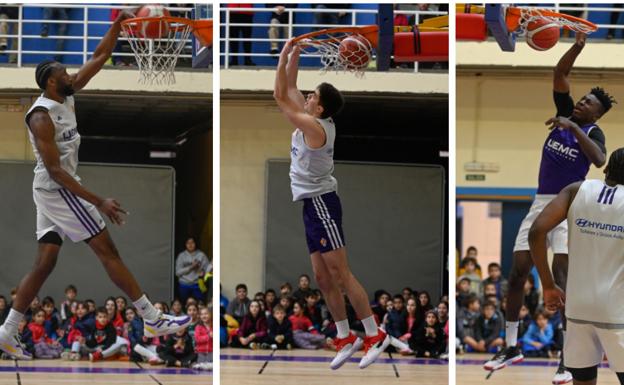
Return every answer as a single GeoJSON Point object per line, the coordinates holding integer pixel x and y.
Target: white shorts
{"type": "Point", "coordinates": [66, 214]}
{"type": "Point", "coordinates": [586, 344]}
{"type": "Point", "coordinates": [557, 238]}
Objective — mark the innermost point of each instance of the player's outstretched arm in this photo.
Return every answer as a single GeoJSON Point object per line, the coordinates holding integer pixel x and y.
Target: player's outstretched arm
{"type": "Point", "coordinates": [101, 54]}
{"type": "Point", "coordinates": [590, 148]}
{"type": "Point", "coordinates": [553, 214]}
{"type": "Point", "coordinates": [292, 109]}
{"type": "Point", "coordinates": [42, 129]}
{"type": "Point", "coordinates": [292, 72]}
{"type": "Point", "coordinates": [561, 83]}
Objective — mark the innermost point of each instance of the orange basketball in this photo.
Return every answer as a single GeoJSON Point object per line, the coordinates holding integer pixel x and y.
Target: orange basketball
{"type": "Point", "coordinates": [354, 50]}
{"type": "Point", "coordinates": [153, 29]}
{"type": "Point", "coordinates": [542, 34]}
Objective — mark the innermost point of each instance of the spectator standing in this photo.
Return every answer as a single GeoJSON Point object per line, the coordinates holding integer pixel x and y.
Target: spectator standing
{"type": "Point", "coordinates": [191, 265]}
{"type": "Point", "coordinates": [614, 17]}
{"type": "Point", "coordinates": [329, 19]}
{"type": "Point", "coordinates": [7, 28]}
{"type": "Point", "coordinates": [244, 31]}
{"type": "Point", "coordinates": [239, 306]}
{"type": "Point", "coordinates": [57, 14]}
{"type": "Point", "coordinates": [278, 28]}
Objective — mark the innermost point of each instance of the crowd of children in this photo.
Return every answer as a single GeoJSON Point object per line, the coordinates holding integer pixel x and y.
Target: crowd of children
{"type": "Point", "coordinates": [81, 330]}
{"type": "Point", "coordinates": [300, 319]}
{"type": "Point", "coordinates": [481, 306]}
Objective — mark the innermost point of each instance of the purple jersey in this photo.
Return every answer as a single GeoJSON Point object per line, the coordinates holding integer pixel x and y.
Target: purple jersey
{"type": "Point", "coordinates": [563, 161]}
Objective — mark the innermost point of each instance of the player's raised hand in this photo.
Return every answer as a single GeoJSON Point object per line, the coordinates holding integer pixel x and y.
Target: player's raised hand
{"type": "Point", "coordinates": [112, 209]}
{"type": "Point", "coordinates": [554, 298]}
{"type": "Point", "coordinates": [125, 14]}
{"type": "Point", "coordinates": [580, 39]}
{"type": "Point", "coordinates": [287, 49]}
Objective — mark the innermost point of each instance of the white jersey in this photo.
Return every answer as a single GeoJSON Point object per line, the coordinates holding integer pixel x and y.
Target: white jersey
{"type": "Point", "coordinates": [311, 168]}
{"type": "Point", "coordinates": [595, 286]}
{"type": "Point", "coordinates": [65, 135]}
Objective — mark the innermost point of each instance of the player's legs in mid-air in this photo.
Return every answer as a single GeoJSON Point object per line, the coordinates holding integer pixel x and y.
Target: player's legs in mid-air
{"type": "Point", "coordinates": [155, 323]}
{"type": "Point", "coordinates": [333, 275]}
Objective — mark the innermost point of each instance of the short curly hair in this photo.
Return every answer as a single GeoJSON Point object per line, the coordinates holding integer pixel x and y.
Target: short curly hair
{"type": "Point", "coordinates": [606, 100]}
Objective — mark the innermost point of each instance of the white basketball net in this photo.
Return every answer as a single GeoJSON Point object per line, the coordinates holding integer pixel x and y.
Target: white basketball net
{"type": "Point", "coordinates": [328, 48]}
{"type": "Point", "coordinates": [157, 58]}
{"type": "Point", "coordinates": [528, 15]}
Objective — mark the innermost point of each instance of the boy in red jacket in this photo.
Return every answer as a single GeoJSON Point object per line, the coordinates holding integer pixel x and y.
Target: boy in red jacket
{"type": "Point", "coordinates": [45, 347]}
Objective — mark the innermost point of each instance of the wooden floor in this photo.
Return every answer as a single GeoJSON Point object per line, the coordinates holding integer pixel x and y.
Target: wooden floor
{"type": "Point", "coordinates": [306, 367]}
{"type": "Point", "coordinates": [531, 371]}
{"type": "Point", "coordinates": [40, 372]}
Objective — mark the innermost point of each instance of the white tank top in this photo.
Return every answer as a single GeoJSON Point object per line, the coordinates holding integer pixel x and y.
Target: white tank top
{"type": "Point", "coordinates": [311, 168]}
{"type": "Point", "coordinates": [595, 286]}
{"type": "Point", "coordinates": [65, 135]}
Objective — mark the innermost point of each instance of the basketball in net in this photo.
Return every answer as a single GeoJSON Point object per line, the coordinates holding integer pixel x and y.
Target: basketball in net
{"type": "Point", "coordinates": [542, 34]}
{"type": "Point", "coordinates": [153, 29]}
{"type": "Point", "coordinates": [354, 52]}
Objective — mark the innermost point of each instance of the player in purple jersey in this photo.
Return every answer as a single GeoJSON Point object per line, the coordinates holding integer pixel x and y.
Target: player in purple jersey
{"type": "Point", "coordinates": [574, 143]}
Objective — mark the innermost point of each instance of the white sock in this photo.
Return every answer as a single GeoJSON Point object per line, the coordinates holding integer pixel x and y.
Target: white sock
{"type": "Point", "coordinates": [370, 326]}
{"type": "Point", "coordinates": [12, 322]}
{"type": "Point", "coordinates": [511, 333]}
{"type": "Point", "coordinates": [145, 308]}
{"type": "Point", "coordinates": [343, 328]}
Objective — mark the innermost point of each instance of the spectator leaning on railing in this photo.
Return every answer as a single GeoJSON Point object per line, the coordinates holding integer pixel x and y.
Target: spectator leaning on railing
{"type": "Point", "coordinates": [240, 17]}
{"type": "Point", "coordinates": [279, 21]}
{"type": "Point", "coordinates": [56, 13]}
{"type": "Point", "coordinates": [7, 28]}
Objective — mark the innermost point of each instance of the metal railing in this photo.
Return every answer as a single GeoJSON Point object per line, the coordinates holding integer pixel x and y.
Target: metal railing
{"type": "Point", "coordinates": [16, 38]}
{"type": "Point", "coordinates": [290, 26]}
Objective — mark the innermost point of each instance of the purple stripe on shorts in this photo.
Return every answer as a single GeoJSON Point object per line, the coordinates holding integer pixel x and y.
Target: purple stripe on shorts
{"type": "Point", "coordinates": [84, 210]}
{"type": "Point", "coordinates": [76, 213]}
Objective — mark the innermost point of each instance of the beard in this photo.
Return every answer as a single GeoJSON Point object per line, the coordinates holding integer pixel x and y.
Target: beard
{"type": "Point", "coordinates": [65, 90]}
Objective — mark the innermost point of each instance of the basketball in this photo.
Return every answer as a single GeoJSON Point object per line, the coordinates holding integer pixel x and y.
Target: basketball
{"type": "Point", "coordinates": [542, 34]}
{"type": "Point", "coordinates": [153, 29]}
{"type": "Point", "coordinates": [354, 51]}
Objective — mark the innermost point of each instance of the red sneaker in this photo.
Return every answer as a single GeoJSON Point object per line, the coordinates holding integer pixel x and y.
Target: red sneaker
{"type": "Point", "coordinates": [373, 347]}
{"type": "Point", "coordinates": [95, 356]}
{"type": "Point", "coordinates": [345, 348]}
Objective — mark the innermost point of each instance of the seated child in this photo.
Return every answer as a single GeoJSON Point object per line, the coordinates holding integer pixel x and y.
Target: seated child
{"type": "Point", "coordinates": [203, 339]}
{"type": "Point", "coordinates": [253, 329]}
{"type": "Point", "coordinates": [427, 340]}
{"type": "Point", "coordinates": [304, 333]}
{"type": "Point", "coordinates": [103, 341]}
{"type": "Point", "coordinates": [537, 341]}
{"type": "Point", "coordinates": [178, 351]}
{"type": "Point", "coordinates": [45, 347]}
{"type": "Point", "coordinates": [280, 335]}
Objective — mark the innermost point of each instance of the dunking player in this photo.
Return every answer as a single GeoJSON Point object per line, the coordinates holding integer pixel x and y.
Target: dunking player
{"type": "Point", "coordinates": [595, 286]}
{"type": "Point", "coordinates": [312, 182]}
{"type": "Point", "coordinates": [566, 157]}
{"type": "Point", "coordinates": [64, 206]}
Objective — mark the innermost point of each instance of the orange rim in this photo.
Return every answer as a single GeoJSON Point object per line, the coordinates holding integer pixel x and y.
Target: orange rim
{"type": "Point", "coordinates": [513, 16]}
{"type": "Point", "coordinates": [202, 29]}
{"type": "Point", "coordinates": [369, 32]}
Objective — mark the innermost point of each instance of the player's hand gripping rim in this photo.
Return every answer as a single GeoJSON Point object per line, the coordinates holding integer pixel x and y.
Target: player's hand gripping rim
{"type": "Point", "coordinates": [112, 209]}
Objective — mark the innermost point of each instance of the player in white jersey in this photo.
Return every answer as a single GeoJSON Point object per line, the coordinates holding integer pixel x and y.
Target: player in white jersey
{"type": "Point", "coordinates": [312, 182]}
{"type": "Point", "coordinates": [594, 293]}
{"type": "Point", "coordinates": [64, 206]}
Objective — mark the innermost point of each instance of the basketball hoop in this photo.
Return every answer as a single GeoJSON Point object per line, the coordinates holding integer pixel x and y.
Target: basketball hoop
{"type": "Point", "coordinates": [157, 55]}
{"type": "Point", "coordinates": [334, 54]}
{"type": "Point", "coordinates": [517, 20]}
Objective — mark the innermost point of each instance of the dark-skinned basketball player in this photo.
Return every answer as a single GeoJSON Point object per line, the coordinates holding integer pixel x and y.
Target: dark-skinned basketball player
{"type": "Point", "coordinates": [594, 211]}
{"type": "Point", "coordinates": [64, 206]}
{"type": "Point", "coordinates": [567, 154]}
{"type": "Point", "coordinates": [311, 181]}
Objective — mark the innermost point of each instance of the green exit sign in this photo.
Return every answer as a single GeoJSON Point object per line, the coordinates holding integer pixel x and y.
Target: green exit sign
{"type": "Point", "coordinates": [475, 177]}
